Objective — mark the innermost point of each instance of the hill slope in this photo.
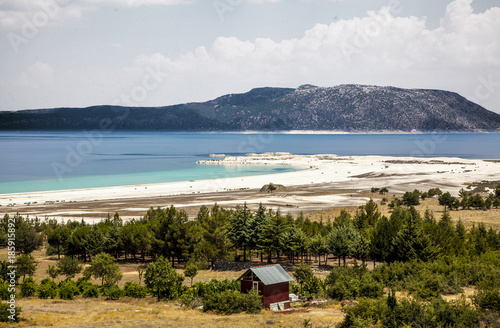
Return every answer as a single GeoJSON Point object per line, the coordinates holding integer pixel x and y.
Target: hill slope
{"type": "Point", "coordinates": [342, 108]}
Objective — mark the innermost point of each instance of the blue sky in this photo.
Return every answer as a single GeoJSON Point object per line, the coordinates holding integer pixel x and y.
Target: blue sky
{"type": "Point", "coordinates": [61, 53]}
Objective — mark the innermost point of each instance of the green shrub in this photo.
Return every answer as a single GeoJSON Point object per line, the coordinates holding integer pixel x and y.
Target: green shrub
{"type": "Point", "coordinates": [133, 289]}
{"type": "Point", "coordinates": [458, 313]}
{"type": "Point", "coordinates": [9, 313]}
{"type": "Point", "coordinates": [387, 312]}
{"type": "Point", "coordinates": [294, 288]}
{"type": "Point", "coordinates": [189, 299]}
{"type": "Point", "coordinates": [487, 299]}
{"type": "Point", "coordinates": [113, 292]}
{"type": "Point", "coordinates": [68, 290]}
{"type": "Point", "coordinates": [365, 313]}
{"type": "Point", "coordinates": [431, 286]}
{"type": "Point", "coordinates": [47, 289]}
{"type": "Point", "coordinates": [370, 288]}
{"type": "Point", "coordinates": [333, 276]}
{"type": "Point", "coordinates": [162, 280]}
{"type": "Point", "coordinates": [4, 291]}
{"type": "Point", "coordinates": [344, 290]}
{"type": "Point", "coordinates": [231, 301]}
{"type": "Point", "coordinates": [190, 271]}
{"type": "Point", "coordinates": [430, 279]}
{"type": "Point", "coordinates": [28, 287]}
{"type": "Point", "coordinates": [313, 286]}
{"type": "Point", "coordinates": [215, 286]}
{"type": "Point", "coordinates": [343, 283]}
{"type": "Point", "coordinates": [413, 312]}
{"type": "Point", "coordinates": [91, 291]}
{"type": "Point", "coordinates": [201, 264]}
{"type": "Point", "coordinates": [83, 283]}
{"type": "Point", "coordinates": [490, 279]}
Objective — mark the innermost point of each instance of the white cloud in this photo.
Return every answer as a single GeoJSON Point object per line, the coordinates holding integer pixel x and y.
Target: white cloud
{"type": "Point", "coordinates": [376, 49]}
{"type": "Point", "coordinates": [16, 14]}
{"type": "Point", "coordinates": [262, 1]}
{"type": "Point", "coordinates": [135, 3]}
{"type": "Point", "coordinates": [379, 48]}
{"type": "Point", "coordinates": [38, 75]}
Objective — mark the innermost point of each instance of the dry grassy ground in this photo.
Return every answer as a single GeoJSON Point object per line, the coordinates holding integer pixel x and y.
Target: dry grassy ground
{"type": "Point", "coordinates": [150, 313]}
{"type": "Point", "coordinates": [128, 269]}
{"type": "Point", "coordinates": [491, 218]}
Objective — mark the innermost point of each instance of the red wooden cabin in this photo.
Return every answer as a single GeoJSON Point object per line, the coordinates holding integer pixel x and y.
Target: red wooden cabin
{"type": "Point", "coordinates": [271, 281]}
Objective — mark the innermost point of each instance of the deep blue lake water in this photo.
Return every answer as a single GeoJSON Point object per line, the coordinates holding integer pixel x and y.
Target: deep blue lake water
{"type": "Point", "coordinates": [35, 161]}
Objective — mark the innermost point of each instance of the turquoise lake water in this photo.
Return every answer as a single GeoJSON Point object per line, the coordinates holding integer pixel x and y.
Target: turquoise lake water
{"type": "Point", "coordinates": [37, 161]}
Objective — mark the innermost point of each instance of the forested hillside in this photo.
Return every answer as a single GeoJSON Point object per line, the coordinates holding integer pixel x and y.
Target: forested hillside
{"type": "Point", "coordinates": [415, 253]}
{"type": "Point", "coordinates": [341, 108]}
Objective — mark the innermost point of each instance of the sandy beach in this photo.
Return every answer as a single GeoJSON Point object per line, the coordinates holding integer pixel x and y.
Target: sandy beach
{"type": "Point", "coordinates": [318, 182]}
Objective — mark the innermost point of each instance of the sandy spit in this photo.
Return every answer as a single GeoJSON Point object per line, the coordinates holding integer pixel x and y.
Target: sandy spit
{"type": "Point", "coordinates": [347, 171]}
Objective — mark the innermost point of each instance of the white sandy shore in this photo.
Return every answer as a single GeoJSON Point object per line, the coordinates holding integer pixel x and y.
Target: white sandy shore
{"type": "Point", "coordinates": [359, 172]}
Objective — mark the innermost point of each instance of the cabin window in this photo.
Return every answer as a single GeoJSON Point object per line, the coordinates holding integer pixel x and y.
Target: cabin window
{"type": "Point", "coordinates": [255, 285]}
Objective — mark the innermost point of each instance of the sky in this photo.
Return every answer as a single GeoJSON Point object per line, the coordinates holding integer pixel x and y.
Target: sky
{"type": "Point", "coordinates": [79, 53]}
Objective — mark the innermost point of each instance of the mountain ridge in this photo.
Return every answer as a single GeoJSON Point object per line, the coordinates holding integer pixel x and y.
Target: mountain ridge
{"type": "Point", "coordinates": [346, 107]}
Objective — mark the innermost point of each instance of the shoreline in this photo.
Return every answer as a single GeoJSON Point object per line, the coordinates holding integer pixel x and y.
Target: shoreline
{"type": "Point", "coordinates": [417, 132]}
{"type": "Point", "coordinates": [326, 174]}
{"type": "Point", "coordinates": [299, 132]}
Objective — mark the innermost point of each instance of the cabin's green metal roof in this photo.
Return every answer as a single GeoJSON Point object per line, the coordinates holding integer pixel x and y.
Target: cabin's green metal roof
{"type": "Point", "coordinates": [269, 274]}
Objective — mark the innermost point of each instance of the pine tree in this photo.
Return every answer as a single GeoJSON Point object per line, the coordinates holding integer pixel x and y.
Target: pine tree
{"type": "Point", "coordinates": [319, 247]}
{"type": "Point", "coordinates": [445, 234]}
{"type": "Point", "coordinates": [302, 273]}
{"type": "Point", "coordinates": [367, 216]}
{"type": "Point", "coordinates": [411, 243]}
{"type": "Point", "coordinates": [191, 271]}
{"type": "Point", "coordinates": [381, 240]}
{"type": "Point", "coordinates": [429, 217]}
{"type": "Point", "coordinates": [103, 266]}
{"type": "Point", "coordinates": [295, 242]}
{"type": "Point", "coordinates": [446, 200]}
{"type": "Point", "coordinates": [411, 198]}
{"type": "Point", "coordinates": [362, 248]}
{"type": "Point", "coordinates": [112, 242]}
{"type": "Point", "coordinates": [343, 241]}
{"type": "Point", "coordinates": [343, 219]}
{"type": "Point", "coordinates": [477, 201]}
{"type": "Point", "coordinates": [169, 229]}
{"type": "Point", "coordinates": [162, 280]}
{"type": "Point", "coordinates": [77, 244]}
{"type": "Point", "coordinates": [496, 202]}
{"type": "Point", "coordinates": [94, 242]}
{"type": "Point", "coordinates": [25, 265]}
{"type": "Point", "coordinates": [271, 238]}
{"type": "Point", "coordinates": [28, 239]}
{"type": "Point", "coordinates": [69, 267]}
{"type": "Point", "coordinates": [58, 238]}
{"type": "Point", "coordinates": [487, 203]}
{"type": "Point", "coordinates": [142, 238]}
{"type": "Point", "coordinates": [260, 219]}
{"type": "Point", "coordinates": [240, 229]}
{"type": "Point", "coordinates": [213, 224]}
{"type": "Point", "coordinates": [127, 237]}
{"type": "Point", "coordinates": [480, 239]}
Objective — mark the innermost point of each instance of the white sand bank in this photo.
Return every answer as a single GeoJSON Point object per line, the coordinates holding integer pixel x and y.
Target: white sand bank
{"type": "Point", "coordinates": [359, 172]}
